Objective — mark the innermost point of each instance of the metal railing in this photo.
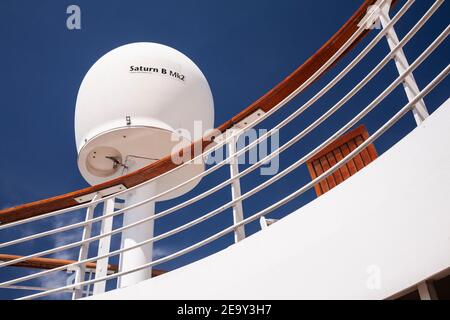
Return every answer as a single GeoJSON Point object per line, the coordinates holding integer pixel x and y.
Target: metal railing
{"type": "Point", "coordinates": [415, 98]}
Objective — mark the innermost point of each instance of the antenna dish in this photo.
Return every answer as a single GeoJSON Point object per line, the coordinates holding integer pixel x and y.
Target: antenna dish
{"type": "Point", "coordinates": [129, 107]}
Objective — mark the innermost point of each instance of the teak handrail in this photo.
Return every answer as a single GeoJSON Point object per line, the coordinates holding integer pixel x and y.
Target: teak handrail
{"type": "Point", "coordinates": [265, 103]}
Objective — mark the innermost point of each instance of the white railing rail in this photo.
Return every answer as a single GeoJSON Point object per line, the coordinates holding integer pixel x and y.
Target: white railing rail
{"type": "Point", "coordinates": [239, 221]}
{"type": "Point", "coordinates": [266, 211]}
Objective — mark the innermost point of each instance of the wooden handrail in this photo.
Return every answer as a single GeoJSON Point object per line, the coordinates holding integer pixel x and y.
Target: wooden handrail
{"type": "Point", "coordinates": [50, 263]}
{"type": "Point", "coordinates": [265, 103]}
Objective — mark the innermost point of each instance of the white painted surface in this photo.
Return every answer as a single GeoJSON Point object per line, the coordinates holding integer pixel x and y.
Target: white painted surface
{"type": "Point", "coordinates": [383, 230]}
{"type": "Point", "coordinates": [133, 102]}
{"type": "Point", "coordinates": [136, 257]}
{"type": "Point", "coordinates": [111, 90]}
{"type": "Point", "coordinates": [409, 85]}
{"type": "Point", "coordinates": [104, 245]}
{"type": "Point", "coordinates": [238, 211]}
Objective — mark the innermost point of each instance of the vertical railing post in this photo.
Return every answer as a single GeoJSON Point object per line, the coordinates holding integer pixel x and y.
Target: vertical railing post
{"type": "Point", "coordinates": [238, 212]}
{"type": "Point", "coordinates": [87, 292]}
{"type": "Point", "coordinates": [427, 291]}
{"type": "Point", "coordinates": [104, 245]}
{"type": "Point", "coordinates": [419, 110]}
{"type": "Point", "coordinates": [84, 250]}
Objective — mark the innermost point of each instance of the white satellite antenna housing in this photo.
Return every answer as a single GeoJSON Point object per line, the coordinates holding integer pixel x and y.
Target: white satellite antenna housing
{"type": "Point", "coordinates": [129, 108]}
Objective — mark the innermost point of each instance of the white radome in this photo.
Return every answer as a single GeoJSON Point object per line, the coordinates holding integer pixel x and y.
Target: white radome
{"type": "Point", "coordinates": [129, 104]}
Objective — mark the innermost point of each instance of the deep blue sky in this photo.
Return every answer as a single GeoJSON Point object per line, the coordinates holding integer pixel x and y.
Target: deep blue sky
{"type": "Point", "coordinates": [243, 47]}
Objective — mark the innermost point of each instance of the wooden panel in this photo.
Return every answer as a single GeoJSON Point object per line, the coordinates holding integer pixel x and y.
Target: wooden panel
{"type": "Point", "coordinates": [266, 103]}
{"type": "Point", "coordinates": [325, 167]}
{"type": "Point", "coordinates": [335, 152]}
{"type": "Point", "coordinates": [345, 173]}
{"type": "Point", "coordinates": [332, 161]}
{"type": "Point", "coordinates": [350, 164]}
{"type": "Point", "coordinates": [370, 148]}
{"type": "Point", "coordinates": [357, 159]}
{"type": "Point", "coordinates": [313, 176]}
{"type": "Point", "coordinates": [364, 153]}
{"type": "Point", "coordinates": [319, 170]}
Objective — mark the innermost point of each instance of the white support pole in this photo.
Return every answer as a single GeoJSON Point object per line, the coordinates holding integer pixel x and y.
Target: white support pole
{"type": "Point", "coordinates": [104, 245]}
{"type": "Point", "coordinates": [84, 250]}
{"type": "Point", "coordinates": [238, 212]}
{"type": "Point", "coordinates": [427, 291]}
{"type": "Point", "coordinates": [419, 110]}
{"type": "Point", "coordinates": [137, 257]}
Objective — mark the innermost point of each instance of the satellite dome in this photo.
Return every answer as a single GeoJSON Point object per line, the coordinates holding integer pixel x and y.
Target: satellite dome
{"type": "Point", "coordinates": [129, 105]}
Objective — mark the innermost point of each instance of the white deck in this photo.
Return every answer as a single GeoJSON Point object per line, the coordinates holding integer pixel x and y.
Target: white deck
{"type": "Point", "coordinates": [392, 219]}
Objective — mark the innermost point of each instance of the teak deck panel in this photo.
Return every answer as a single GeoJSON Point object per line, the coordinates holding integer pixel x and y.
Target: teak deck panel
{"type": "Point", "coordinates": [335, 152]}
